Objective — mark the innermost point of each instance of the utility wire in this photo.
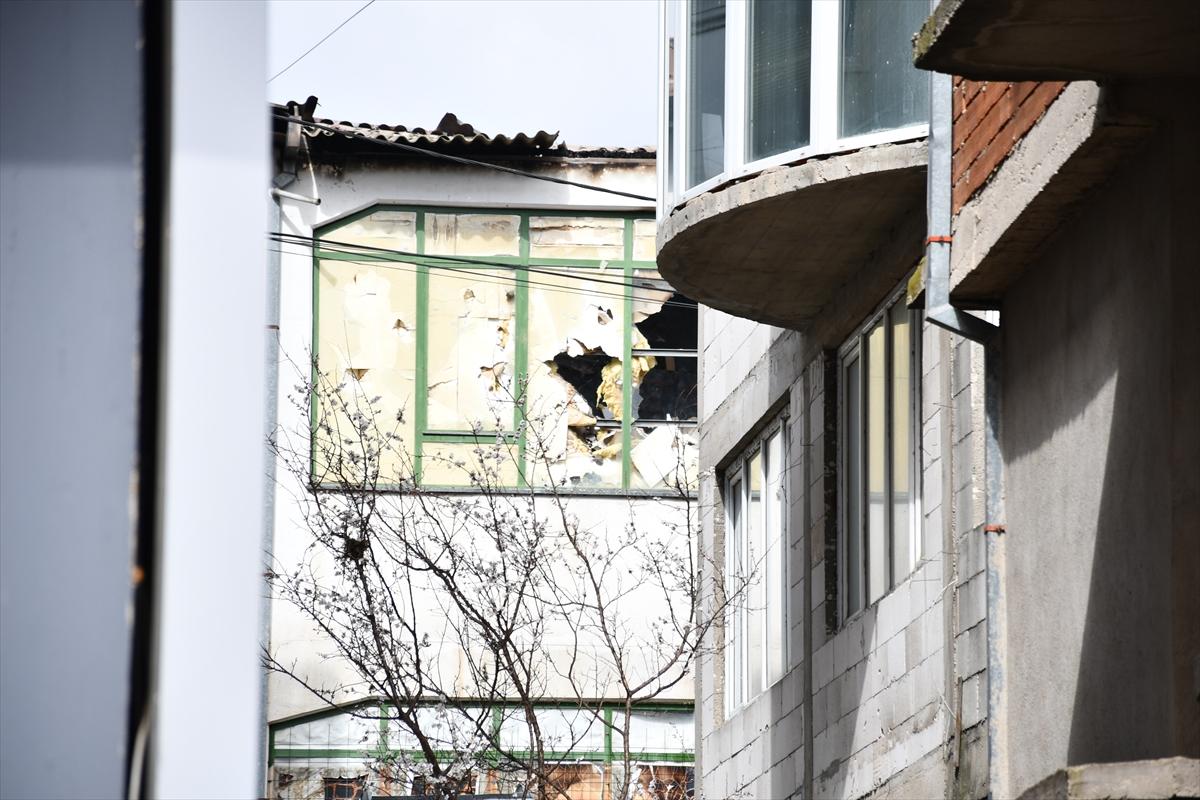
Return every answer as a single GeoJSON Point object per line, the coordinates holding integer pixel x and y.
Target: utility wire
{"type": "Point", "coordinates": [468, 161]}
{"type": "Point", "coordinates": [318, 44]}
{"type": "Point", "coordinates": [490, 279]}
{"type": "Point", "coordinates": [334, 245]}
{"type": "Point", "coordinates": [577, 275]}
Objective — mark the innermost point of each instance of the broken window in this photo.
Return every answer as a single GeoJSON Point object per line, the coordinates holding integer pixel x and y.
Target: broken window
{"type": "Point", "coordinates": [575, 391]}
{"type": "Point", "coordinates": [664, 446]}
{"type": "Point", "coordinates": [562, 374]}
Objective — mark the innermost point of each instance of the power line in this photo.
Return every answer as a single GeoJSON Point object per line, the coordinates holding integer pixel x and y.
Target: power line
{"type": "Point", "coordinates": [467, 161]}
{"type": "Point", "coordinates": [484, 278]}
{"type": "Point", "coordinates": [318, 44]}
{"type": "Point", "coordinates": [335, 245]}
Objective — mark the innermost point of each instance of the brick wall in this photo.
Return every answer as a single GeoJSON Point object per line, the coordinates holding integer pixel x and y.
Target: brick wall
{"type": "Point", "coordinates": [989, 119]}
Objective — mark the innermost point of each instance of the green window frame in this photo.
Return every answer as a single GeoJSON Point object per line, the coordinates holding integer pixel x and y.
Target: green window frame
{"type": "Point", "coordinates": [628, 268]}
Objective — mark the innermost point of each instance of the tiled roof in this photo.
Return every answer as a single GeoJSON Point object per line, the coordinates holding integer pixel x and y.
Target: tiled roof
{"type": "Point", "coordinates": [451, 135]}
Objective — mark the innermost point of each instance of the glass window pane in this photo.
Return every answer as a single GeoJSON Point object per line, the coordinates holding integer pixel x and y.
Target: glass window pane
{"type": "Point", "coordinates": [757, 564]}
{"type": "Point", "coordinates": [705, 90]}
{"type": "Point", "coordinates": [778, 76]}
{"type": "Point", "coordinates": [735, 583]}
{"type": "Point", "coordinates": [880, 87]}
{"type": "Point", "coordinates": [484, 464]}
{"type": "Point", "coordinates": [672, 27]}
{"type": "Point", "coordinates": [472, 327]}
{"type": "Point", "coordinates": [852, 459]}
{"type": "Point", "coordinates": [390, 230]}
{"type": "Point", "coordinates": [472, 234]}
{"type": "Point", "coordinates": [366, 349]}
{"type": "Point", "coordinates": [584, 238]}
{"type": "Point", "coordinates": [876, 463]}
{"type": "Point", "coordinates": [776, 553]}
{"type": "Point", "coordinates": [902, 561]}
{"type": "Point", "coordinates": [643, 240]}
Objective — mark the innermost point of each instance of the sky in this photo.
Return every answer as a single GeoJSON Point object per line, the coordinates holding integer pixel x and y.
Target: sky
{"type": "Point", "coordinates": [585, 68]}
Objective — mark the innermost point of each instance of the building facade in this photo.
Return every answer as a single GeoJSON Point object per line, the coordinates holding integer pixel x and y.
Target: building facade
{"type": "Point", "coordinates": [516, 338]}
{"type": "Point", "coordinates": [969, 552]}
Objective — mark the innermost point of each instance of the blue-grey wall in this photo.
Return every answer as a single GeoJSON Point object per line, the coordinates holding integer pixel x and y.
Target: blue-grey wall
{"type": "Point", "coordinates": [70, 137]}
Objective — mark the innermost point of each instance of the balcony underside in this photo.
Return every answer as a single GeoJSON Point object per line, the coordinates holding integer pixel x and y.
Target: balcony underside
{"type": "Point", "coordinates": [1061, 39]}
{"type": "Point", "coordinates": [1082, 139]}
{"type": "Point", "coordinates": [776, 247]}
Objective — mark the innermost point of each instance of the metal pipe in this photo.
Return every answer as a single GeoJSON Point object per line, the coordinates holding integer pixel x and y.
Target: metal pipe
{"type": "Point", "coordinates": [995, 563]}
{"type": "Point", "coordinates": [270, 420]}
{"type": "Point", "coordinates": [277, 193]}
{"type": "Point", "coordinates": [937, 245]}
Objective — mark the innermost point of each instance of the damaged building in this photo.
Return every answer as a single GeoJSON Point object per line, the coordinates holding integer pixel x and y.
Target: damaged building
{"type": "Point", "coordinates": [513, 329]}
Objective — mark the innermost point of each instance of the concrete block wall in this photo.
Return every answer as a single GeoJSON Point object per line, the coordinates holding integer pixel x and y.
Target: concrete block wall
{"type": "Point", "coordinates": [883, 701]}
{"type": "Point", "coordinates": [989, 119]}
{"type": "Point", "coordinates": [746, 373]}
{"type": "Point", "coordinates": [881, 704]}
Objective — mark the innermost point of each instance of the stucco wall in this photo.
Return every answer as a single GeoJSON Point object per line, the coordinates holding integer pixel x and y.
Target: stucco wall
{"type": "Point", "coordinates": [1100, 447]}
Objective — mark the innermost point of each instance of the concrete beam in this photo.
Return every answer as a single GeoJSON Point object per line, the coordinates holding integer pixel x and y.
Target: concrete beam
{"type": "Point", "coordinates": [776, 247]}
{"type": "Point", "coordinates": [1060, 40]}
{"type": "Point", "coordinates": [1156, 779]}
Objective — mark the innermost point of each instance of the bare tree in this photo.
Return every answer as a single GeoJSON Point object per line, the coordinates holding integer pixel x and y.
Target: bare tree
{"type": "Point", "coordinates": [461, 612]}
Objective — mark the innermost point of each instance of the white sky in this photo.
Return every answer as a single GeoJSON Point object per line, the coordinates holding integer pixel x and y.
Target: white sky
{"type": "Point", "coordinates": [583, 67]}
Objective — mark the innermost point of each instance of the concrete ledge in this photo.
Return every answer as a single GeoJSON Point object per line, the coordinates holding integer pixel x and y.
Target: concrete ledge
{"type": "Point", "coordinates": [1060, 40]}
{"type": "Point", "coordinates": [776, 247]}
{"type": "Point", "coordinates": [1159, 779]}
{"type": "Point", "coordinates": [1074, 147]}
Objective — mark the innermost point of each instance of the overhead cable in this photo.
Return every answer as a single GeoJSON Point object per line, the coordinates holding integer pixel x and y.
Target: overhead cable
{"type": "Point", "coordinates": [318, 44]}
{"type": "Point", "coordinates": [335, 245]}
{"type": "Point", "coordinates": [484, 278]}
{"type": "Point", "coordinates": [467, 161]}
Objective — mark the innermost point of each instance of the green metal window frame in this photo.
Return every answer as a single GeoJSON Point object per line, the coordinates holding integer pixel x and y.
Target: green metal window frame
{"type": "Point", "coordinates": [629, 269]}
{"type": "Point", "coordinates": [609, 755]}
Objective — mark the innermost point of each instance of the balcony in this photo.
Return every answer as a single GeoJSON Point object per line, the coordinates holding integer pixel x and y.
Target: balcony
{"type": "Point", "coordinates": [792, 148]}
{"type": "Point", "coordinates": [1061, 40]}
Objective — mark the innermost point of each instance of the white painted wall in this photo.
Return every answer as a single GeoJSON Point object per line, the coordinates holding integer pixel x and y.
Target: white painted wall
{"type": "Point", "coordinates": [359, 186]}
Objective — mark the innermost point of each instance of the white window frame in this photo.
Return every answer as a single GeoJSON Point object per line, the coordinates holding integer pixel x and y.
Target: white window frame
{"type": "Point", "coordinates": [758, 597]}
{"type": "Point", "coordinates": [824, 98]}
{"type": "Point", "coordinates": [855, 347]}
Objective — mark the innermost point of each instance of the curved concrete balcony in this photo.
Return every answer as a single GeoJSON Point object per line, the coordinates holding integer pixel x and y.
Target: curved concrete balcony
{"type": "Point", "coordinates": [776, 246]}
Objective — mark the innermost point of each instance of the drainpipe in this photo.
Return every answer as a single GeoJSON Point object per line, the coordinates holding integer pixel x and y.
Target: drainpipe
{"type": "Point", "coordinates": [937, 246]}
{"type": "Point", "coordinates": [285, 178]}
{"type": "Point", "coordinates": [940, 312]}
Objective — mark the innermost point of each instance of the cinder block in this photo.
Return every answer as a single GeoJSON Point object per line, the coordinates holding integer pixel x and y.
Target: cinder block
{"type": "Point", "coordinates": [820, 710]}
{"type": "Point", "coordinates": [972, 603]}
{"type": "Point", "coordinates": [972, 650]}
{"type": "Point", "coordinates": [934, 633]}
{"type": "Point", "coordinates": [823, 665]}
{"type": "Point", "coordinates": [874, 678]}
{"type": "Point", "coordinates": [914, 643]}
{"type": "Point", "coordinates": [892, 616]}
{"type": "Point", "coordinates": [896, 657]}
{"type": "Point", "coordinates": [974, 700]}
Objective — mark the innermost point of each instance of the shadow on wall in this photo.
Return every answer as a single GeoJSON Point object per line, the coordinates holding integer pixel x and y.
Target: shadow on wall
{"type": "Point", "coordinates": [1101, 450]}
